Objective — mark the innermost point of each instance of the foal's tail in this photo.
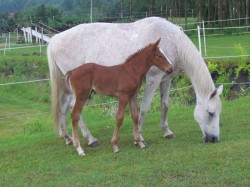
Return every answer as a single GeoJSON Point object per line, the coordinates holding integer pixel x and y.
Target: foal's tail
{"type": "Point", "coordinates": [56, 86]}
{"type": "Point", "coordinates": [67, 83]}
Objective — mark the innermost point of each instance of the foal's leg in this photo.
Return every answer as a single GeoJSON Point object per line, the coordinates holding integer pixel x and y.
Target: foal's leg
{"type": "Point", "coordinates": [134, 115]}
{"type": "Point", "coordinates": [123, 101]}
{"type": "Point", "coordinates": [164, 89]}
{"type": "Point", "coordinates": [75, 115]}
{"type": "Point", "coordinates": [152, 83]}
{"type": "Point", "coordinates": [92, 141]}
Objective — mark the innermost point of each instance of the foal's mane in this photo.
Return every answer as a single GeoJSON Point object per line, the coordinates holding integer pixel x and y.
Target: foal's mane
{"type": "Point", "coordinates": [137, 53]}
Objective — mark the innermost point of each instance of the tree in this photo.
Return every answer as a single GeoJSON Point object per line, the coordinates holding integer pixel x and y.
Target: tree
{"type": "Point", "coordinates": [186, 14]}
{"type": "Point", "coordinates": [67, 5]}
{"type": "Point", "coordinates": [41, 14]}
{"type": "Point", "coordinates": [121, 9]}
{"type": "Point", "coordinates": [247, 10]}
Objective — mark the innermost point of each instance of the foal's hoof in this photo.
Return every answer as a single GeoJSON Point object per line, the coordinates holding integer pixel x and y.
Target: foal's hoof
{"type": "Point", "coordinates": [80, 151]}
{"type": "Point", "coordinates": [170, 136]}
{"type": "Point", "coordinates": [94, 144]}
{"type": "Point", "coordinates": [116, 149]}
{"type": "Point", "coordinates": [82, 154]}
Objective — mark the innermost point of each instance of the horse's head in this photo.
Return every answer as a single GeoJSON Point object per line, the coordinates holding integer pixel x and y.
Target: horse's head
{"type": "Point", "coordinates": [160, 59]}
{"type": "Point", "coordinates": [207, 114]}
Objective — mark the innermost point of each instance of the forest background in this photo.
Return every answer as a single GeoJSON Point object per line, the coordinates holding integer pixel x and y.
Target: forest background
{"type": "Point", "coordinates": [63, 14]}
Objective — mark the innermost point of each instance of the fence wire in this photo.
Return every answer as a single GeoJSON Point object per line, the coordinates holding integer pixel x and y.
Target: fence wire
{"type": "Point", "coordinates": [9, 40]}
{"type": "Point", "coordinates": [94, 105]}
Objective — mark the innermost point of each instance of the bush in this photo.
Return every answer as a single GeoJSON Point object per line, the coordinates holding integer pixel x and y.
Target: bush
{"type": "Point", "coordinates": [242, 63]}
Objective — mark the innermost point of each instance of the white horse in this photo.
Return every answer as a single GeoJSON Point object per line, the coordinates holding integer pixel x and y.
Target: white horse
{"type": "Point", "coordinates": [109, 44]}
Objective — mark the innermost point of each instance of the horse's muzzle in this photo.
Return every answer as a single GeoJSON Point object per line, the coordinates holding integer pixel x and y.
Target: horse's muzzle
{"type": "Point", "coordinates": [170, 70]}
{"type": "Point", "coordinates": [211, 138]}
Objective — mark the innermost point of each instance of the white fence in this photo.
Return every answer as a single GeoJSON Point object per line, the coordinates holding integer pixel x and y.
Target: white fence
{"type": "Point", "coordinates": [14, 41]}
{"type": "Point", "coordinates": [217, 36]}
{"type": "Point", "coordinates": [207, 39]}
{"type": "Point", "coordinates": [29, 33]}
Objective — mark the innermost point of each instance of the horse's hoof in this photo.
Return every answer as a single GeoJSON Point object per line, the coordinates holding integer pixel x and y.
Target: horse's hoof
{"type": "Point", "coordinates": [94, 144]}
{"type": "Point", "coordinates": [170, 136]}
{"type": "Point", "coordinates": [68, 140]}
{"type": "Point", "coordinates": [142, 144]}
{"type": "Point", "coordinates": [145, 143]}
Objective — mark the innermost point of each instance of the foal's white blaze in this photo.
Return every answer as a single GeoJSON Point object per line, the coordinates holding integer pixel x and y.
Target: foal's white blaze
{"type": "Point", "coordinates": [165, 56]}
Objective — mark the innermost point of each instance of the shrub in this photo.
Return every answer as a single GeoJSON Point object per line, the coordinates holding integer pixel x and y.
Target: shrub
{"type": "Point", "coordinates": [183, 96]}
{"type": "Point", "coordinates": [242, 63]}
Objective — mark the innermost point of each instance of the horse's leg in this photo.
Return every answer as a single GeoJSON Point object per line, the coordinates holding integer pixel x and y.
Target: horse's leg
{"type": "Point", "coordinates": [152, 83]}
{"type": "Point", "coordinates": [123, 100]}
{"type": "Point", "coordinates": [134, 115]}
{"type": "Point", "coordinates": [75, 115]}
{"type": "Point", "coordinates": [64, 108]}
{"type": "Point", "coordinates": [92, 141]}
{"type": "Point", "coordinates": [164, 89]}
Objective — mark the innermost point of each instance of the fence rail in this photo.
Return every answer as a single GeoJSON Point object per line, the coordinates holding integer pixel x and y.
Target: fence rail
{"type": "Point", "coordinates": [201, 33]}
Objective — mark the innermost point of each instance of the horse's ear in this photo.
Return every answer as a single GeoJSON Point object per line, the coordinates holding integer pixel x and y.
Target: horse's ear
{"type": "Point", "coordinates": [220, 89]}
{"type": "Point", "coordinates": [218, 92]}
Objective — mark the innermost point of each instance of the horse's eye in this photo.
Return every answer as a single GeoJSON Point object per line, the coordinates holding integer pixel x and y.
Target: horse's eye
{"type": "Point", "coordinates": [211, 114]}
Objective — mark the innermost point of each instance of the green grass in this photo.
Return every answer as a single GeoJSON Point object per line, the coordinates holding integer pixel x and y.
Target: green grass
{"type": "Point", "coordinates": [224, 45]}
{"type": "Point", "coordinates": [35, 156]}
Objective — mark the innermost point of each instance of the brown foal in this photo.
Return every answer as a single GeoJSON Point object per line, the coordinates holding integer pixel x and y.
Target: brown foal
{"type": "Point", "coordinates": [122, 81]}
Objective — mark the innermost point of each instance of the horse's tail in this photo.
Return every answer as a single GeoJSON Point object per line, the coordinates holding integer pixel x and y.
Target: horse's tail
{"type": "Point", "coordinates": [56, 86]}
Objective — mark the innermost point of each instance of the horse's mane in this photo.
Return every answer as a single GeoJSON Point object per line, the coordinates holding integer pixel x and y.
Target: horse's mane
{"type": "Point", "coordinates": [194, 66]}
{"type": "Point", "coordinates": [136, 53]}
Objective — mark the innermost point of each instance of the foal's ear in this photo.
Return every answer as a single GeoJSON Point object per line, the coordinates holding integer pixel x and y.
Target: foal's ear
{"type": "Point", "coordinates": [157, 42]}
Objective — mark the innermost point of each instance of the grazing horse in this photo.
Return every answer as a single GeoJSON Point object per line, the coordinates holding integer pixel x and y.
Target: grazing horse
{"type": "Point", "coordinates": [122, 81]}
{"type": "Point", "coordinates": [109, 44]}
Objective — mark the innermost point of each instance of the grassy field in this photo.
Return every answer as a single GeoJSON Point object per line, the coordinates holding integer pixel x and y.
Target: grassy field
{"type": "Point", "coordinates": [32, 155]}
{"type": "Point", "coordinates": [218, 46]}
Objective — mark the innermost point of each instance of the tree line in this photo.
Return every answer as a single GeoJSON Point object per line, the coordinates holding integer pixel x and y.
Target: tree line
{"type": "Point", "coordinates": [69, 13]}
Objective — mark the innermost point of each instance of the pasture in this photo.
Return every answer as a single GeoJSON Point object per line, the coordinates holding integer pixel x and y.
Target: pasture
{"type": "Point", "coordinates": [224, 45]}
{"type": "Point", "coordinates": [33, 155]}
